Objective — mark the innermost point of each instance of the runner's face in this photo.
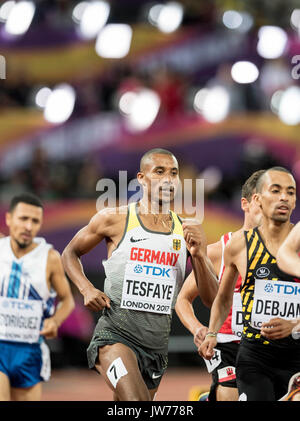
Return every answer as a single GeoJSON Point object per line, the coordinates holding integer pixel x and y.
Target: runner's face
{"type": "Point", "coordinates": [161, 178]}
{"type": "Point", "coordinates": [24, 223]}
{"type": "Point", "coordinates": [278, 196]}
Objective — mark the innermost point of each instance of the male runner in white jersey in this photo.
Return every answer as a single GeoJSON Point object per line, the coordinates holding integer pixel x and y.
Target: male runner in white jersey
{"type": "Point", "coordinates": [31, 276]}
{"type": "Point", "coordinates": [268, 355]}
{"type": "Point", "coordinates": [223, 387]}
{"type": "Point", "coordinates": [288, 260]}
{"type": "Point", "coordinates": [144, 271]}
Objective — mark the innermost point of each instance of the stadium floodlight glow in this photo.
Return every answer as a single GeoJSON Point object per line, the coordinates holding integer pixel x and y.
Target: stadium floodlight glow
{"type": "Point", "coordinates": [275, 101]}
{"type": "Point", "coordinates": [216, 104]}
{"type": "Point", "coordinates": [239, 21]}
{"type": "Point", "coordinates": [199, 100]}
{"type": "Point", "coordinates": [94, 17]}
{"type": "Point", "coordinates": [154, 13]}
{"type": "Point", "coordinates": [78, 11]}
{"type": "Point", "coordinates": [114, 41]}
{"type": "Point", "coordinates": [247, 22]}
{"type": "Point", "coordinates": [232, 19]}
{"type": "Point", "coordinates": [295, 19]}
{"type": "Point", "coordinates": [289, 106]}
{"type": "Point", "coordinates": [5, 10]}
{"type": "Point", "coordinates": [60, 104]}
{"type": "Point", "coordinates": [126, 102]}
{"type": "Point", "coordinates": [143, 110]}
{"type": "Point", "coordinates": [20, 17]}
{"type": "Point", "coordinates": [244, 72]}
{"type": "Point", "coordinates": [42, 96]}
{"type": "Point", "coordinates": [272, 42]}
{"type": "Point", "coordinates": [170, 17]}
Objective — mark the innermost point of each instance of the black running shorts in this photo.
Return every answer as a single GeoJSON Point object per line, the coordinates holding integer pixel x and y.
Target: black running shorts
{"type": "Point", "coordinates": [264, 371]}
{"type": "Point", "coordinates": [152, 365]}
{"type": "Point", "coordinates": [224, 374]}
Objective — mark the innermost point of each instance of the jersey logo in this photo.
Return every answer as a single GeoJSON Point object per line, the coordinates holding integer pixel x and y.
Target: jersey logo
{"type": "Point", "coordinates": [269, 287]}
{"type": "Point", "coordinates": [133, 240]}
{"type": "Point", "coordinates": [262, 272]}
{"type": "Point", "coordinates": [229, 371]}
{"type": "Point", "coordinates": [155, 376]}
{"type": "Point", "coordinates": [138, 269]}
{"type": "Point", "coordinates": [176, 244]}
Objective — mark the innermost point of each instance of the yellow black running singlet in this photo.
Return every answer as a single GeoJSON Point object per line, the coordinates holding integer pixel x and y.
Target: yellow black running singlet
{"type": "Point", "coordinates": [267, 292]}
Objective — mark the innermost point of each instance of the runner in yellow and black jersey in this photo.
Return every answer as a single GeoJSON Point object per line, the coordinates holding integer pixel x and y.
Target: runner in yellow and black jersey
{"type": "Point", "coordinates": [277, 294]}
{"type": "Point", "coordinates": [268, 354]}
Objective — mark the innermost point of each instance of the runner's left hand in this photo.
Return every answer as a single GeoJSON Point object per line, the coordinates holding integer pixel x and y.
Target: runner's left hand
{"type": "Point", "coordinates": [277, 328]}
{"type": "Point", "coordinates": [50, 328]}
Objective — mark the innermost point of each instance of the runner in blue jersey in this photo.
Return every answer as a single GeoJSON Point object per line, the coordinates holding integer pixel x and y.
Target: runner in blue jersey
{"type": "Point", "coordinates": [32, 276]}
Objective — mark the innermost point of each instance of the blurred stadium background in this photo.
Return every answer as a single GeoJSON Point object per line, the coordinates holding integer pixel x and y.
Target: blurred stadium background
{"type": "Point", "coordinates": [87, 87]}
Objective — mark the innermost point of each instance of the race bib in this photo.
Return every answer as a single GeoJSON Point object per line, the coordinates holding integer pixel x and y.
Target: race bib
{"type": "Point", "coordinates": [148, 288]}
{"type": "Point", "coordinates": [275, 299]}
{"type": "Point", "coordinates": [20, 320]}
{"type": "Point", "coordinates": [237, 315]}
{"type": "Point", "coordinates": [214, 361]}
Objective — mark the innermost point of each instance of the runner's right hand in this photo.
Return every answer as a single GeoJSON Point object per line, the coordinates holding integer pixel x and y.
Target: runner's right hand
{"type": "Point", "coordinates": [199, 335]}
{"type": "Point", "coordinates": [95, 299]}
{"type": "Point", "coordinates": [206, 350]}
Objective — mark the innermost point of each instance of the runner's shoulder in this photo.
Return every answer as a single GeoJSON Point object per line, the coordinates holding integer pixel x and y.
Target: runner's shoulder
{"type": "Point", "coordinates": [214, 250]}
{"type": "Point", "coordinates": [236, 244]}
{"type": "Point", "coordinates": [109, 218]}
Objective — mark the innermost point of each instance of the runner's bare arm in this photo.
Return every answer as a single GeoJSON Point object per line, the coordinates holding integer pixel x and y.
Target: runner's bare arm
{"type": "Point", "coordinates": [60, 284]}
{"type": "Point", "coordinates": [185, 310]}
{"type": "Point", "coordinates": [205, 277]}
{"type": "Point", "coordinates": [288, 258]}
{"type": "Point", "coordinates": [189, 292]}
{"type": "Point", "coordinates": [223, 300]}
{"type": "Point", "coordinates": [102, 225]}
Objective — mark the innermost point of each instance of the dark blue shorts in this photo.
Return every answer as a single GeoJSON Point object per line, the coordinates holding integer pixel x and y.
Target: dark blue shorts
{"type": "Point", "coordinates": [24, 364]}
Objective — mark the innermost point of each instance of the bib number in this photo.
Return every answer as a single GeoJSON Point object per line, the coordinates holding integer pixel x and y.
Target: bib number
{"type": "Point", "coordinates": [148, 288]}
{"type": "Point", "coordinates": [237, 315]}
{"type": "Point", "coordinates": [275, 299]}
{"type": "Point", "coordinates": [20, 320]}
{"type": "Point", "coordinates": [214, 361]}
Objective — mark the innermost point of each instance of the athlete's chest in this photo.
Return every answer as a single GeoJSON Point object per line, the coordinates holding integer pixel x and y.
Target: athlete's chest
{"type": "Point", "coordinates": [24, 270]}
{"type": "Point", "coordinates": [158, 248]}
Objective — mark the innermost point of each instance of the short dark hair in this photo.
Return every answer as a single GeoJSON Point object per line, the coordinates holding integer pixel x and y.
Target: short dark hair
{"type": "Point", "coordinates": [152, 152]}
{"type": "Point", "coordinates": [249, 187]}
{"type": "Point", "coordinates": [261, 179]}
{"type": "Point", "coordinates": [28, 198]}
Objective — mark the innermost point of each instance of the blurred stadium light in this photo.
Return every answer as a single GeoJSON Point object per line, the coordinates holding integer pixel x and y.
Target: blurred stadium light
{"type": "Point", "coordinates": [289, 106]}
{"type": "Point", "coordinates": [19, 17]}
{"type": "Point", "coordinates": [42, 96]}
{"type": "Point", "coordinates": [92, 17]}
{"type": "Point", "coordinates": [60, 104]}
{"type": "Point", "coordinates": [244, 72]}
{"type": "Point", "coordinates": [272, 42]}
{"type": "Point", "coordinates": [170, 17]}
{"type": "Point", "coordinates": [114, 40]}
{"type": "Point", "coordinates": [143, 110]}
{"type": "Point", "coordinates": [5, 9]}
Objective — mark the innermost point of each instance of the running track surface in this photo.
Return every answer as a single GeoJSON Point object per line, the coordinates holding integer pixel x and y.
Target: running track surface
{"type": "Point", "coordinates": [87, 385]}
